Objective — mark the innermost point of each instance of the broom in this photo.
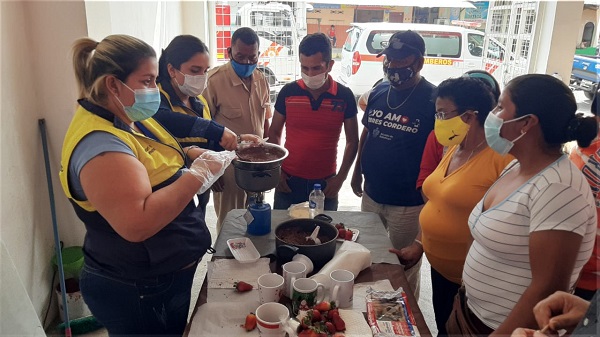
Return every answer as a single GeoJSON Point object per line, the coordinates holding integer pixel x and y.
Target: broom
{"type": "Point", "coordinates": [84, 324]}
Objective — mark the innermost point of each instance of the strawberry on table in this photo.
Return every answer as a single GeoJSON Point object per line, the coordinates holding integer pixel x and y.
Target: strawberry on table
{"type": "Point", "coordinates": [242, 286]}
{"type": "Point", "coordinates": [342, 233]}
{"type": "Point", "coordinates": [250, 323]}
{"type": "Point", "coordinates": [333, 312]}
{"type": "Point", "coordinates": [339, 323]}
{"type": "Point", "coordinates": [348, 235]}
{"type": "Point", "coordinates": [322, 306]}
{"type": "Point", "coordinates": [330, 327]}
{"type": "Point", "coordinates": [316, 315]}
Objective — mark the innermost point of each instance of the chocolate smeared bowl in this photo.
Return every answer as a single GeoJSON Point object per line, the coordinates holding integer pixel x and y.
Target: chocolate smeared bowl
{"type": "Point", "coordinates": [258, 166]}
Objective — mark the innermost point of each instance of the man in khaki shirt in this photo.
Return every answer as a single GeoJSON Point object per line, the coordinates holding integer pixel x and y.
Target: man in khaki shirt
{"type": "Point", "coordinates": [238, 97]}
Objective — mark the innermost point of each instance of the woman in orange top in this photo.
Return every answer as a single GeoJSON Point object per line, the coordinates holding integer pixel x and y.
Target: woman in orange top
{"type": "Point", "coordinates": [588, 160]}
{"type": "Point", "coordinates": [465, 173]}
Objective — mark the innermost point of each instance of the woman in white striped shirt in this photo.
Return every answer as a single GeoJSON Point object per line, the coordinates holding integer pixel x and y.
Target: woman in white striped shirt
{"type": "Point", "coordinates": [535, 227]}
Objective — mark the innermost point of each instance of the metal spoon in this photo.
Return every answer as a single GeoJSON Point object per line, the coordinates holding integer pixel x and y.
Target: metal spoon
{"type": "Point", "coordinates": [314, 237]}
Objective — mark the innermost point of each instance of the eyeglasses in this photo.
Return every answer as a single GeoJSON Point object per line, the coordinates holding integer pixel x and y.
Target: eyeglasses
{"type": "Point", "coordinates": [442, 115]}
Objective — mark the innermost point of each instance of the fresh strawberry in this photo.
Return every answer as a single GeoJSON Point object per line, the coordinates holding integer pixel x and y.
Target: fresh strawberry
{"type": "Point", "coordinates": [322, 306]}
{"type": "Point", "coordinates": [311, 332]}
{"type": "Point", "coordinates": [342, 233]}
{"type": "Point", "coordinates": [348, 235]}
{"type": "Point", "coordinates": [316, 315]}
{"type": "Point", "coordinates": [339, 225]}
{"type": "Point", "coordinates": [242, 286]}
{"type": "Point", "coordinates": [330, 327]}
{"type": "Point", "coordinates": [332, 313]}
{"type": "Point", "coordinates": [339, 323]}
{"type": "Point", "coordinates": [250, 322]}
{"type": "Point", "coordinates": [305, 333]}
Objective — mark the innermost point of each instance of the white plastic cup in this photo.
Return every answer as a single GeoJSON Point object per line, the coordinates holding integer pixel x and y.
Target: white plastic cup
{"type": "Point", "coordinates": [270, 287]}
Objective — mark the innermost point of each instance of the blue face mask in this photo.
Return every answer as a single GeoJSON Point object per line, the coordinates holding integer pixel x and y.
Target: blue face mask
{"type": "Point", "coordinates": [243, 70]}
{"type": "Point", "coordinates": [145, 105]}
{"type": "Point", "coordinates": [492, 127]}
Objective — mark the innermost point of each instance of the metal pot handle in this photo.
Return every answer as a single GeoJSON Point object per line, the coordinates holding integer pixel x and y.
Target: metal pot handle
{"type": "Point", "coordinates": [285, 253]}
{"type": "Point", "coordinates": [324, 217]}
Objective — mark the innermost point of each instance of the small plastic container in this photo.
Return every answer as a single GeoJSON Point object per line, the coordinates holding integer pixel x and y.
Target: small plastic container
{"type": "Point", "coordinates": [243, 250]}
{"type": "Point", "coordinates": [72, 258]}
{"type": "Point", "coordinates": [299, 211]}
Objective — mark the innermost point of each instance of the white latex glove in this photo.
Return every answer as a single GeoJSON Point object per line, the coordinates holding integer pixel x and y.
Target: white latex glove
{"type": "Point", "coordinates": [209, 167]}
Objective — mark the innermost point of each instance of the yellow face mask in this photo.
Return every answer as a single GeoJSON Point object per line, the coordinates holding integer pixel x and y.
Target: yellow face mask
{"type": "Point", "coordinates": [451, 131]}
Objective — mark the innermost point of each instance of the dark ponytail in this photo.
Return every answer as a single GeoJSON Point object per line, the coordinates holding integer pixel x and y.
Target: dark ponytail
{"type": "Point", "coordinates": [582, 129]}
{"type": "Point", "coordinates": [181, 49]}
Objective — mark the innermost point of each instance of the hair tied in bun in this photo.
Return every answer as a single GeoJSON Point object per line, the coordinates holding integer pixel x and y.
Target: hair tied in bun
{"type": "Point", "coordinates": [573, 126]}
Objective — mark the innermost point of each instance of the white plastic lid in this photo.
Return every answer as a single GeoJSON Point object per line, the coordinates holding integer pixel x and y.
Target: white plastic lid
{"type": "Point", "coordinates": [243, 250]}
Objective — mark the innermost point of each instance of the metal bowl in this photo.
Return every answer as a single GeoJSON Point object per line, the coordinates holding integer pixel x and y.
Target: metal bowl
{"type": "Point", "coordinates": [278, 151]}
{"type": "Point", "coordinates": [259, 176]}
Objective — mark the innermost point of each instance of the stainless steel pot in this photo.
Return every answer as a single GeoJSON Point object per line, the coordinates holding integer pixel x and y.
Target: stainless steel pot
{"type": "Point", "coordinates": [257, 180]}
{"type": "Point", "coordinates": [260, 176]}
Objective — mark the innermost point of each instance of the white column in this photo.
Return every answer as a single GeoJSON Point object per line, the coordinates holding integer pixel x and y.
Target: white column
{"type": "Point", "coordinates": [555, 37]}
{"type": "Point", "coordinates": [194, 17]}
{"type": "Point", "coordinates": [211, 15]}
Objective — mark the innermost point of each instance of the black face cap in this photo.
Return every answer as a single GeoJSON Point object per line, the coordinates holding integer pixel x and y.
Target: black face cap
{"type": "Point", "coordinates": [404, 44]}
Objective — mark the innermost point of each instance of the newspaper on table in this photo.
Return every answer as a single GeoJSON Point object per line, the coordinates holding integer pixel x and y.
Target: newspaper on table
{"type": "Point", "coordinates": [389, 314]}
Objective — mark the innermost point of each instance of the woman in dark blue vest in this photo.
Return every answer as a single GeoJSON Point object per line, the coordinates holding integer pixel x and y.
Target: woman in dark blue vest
{"type": "Point", "coordinates": [182, 74]}
{"type": "Point", "coordinates": [126, 178]}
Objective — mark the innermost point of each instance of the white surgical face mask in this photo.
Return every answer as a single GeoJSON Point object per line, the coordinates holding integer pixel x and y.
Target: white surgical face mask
{"type": "Point", "coordinates": [315, 82]}
{"type": "Point", "coordinates": [193, 85]}
{"type": "Point", "coordinates": [492, 127]}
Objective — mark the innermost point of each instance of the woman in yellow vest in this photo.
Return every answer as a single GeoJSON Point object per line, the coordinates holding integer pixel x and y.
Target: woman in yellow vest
{"type": "Point", "coordinates": [183, 68]}
{"type": "Point", "coordinates": [126, 178]}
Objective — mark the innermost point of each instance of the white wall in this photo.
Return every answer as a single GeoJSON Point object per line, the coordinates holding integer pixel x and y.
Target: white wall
{"type": "Point", "coordinates": [37, 82]}
{"type": "Point", "coordinates": [155, 22]}
{"type": "Point", "coordinates": [556, 37]}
